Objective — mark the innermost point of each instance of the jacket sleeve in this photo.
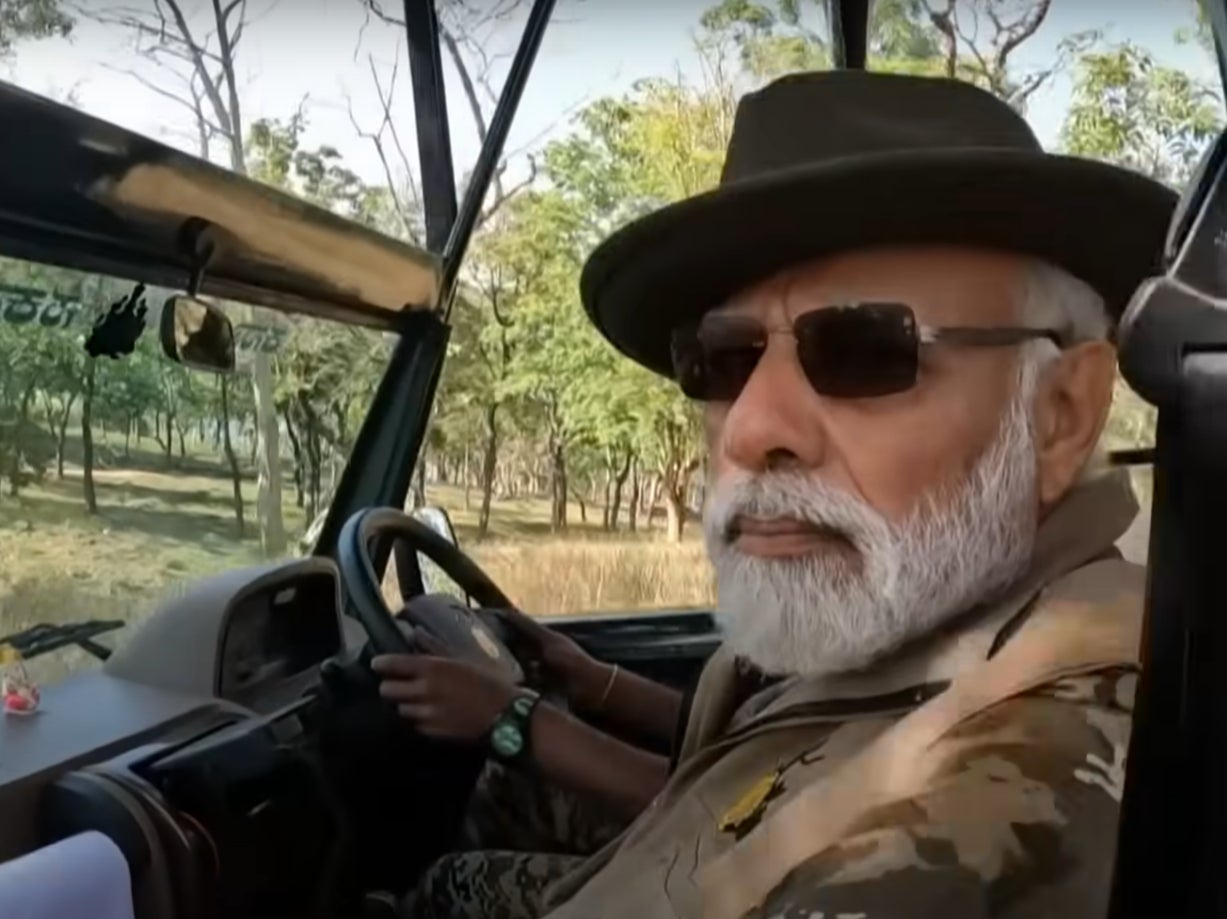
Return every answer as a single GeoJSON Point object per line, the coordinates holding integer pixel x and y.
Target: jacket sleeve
{"type": "Point", "coordinates": [1018, 821]}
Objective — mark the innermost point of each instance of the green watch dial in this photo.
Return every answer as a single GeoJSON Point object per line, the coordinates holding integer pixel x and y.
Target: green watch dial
{"type": "Point", "coordinates": [507, 740]}
{"type": "Point", "coordinates": [509, 736]}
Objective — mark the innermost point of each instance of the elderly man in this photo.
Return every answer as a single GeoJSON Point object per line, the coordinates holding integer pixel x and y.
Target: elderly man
{"type": "Point", "coordinates": [896, 312]}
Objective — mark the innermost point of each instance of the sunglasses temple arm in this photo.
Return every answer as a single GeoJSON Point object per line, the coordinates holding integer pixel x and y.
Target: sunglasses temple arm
{"type": "Point", "coordinates": [988, 337]}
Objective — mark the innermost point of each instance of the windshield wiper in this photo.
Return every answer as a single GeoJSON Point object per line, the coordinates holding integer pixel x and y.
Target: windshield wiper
{"type": "Point", "coordinates": [45, 638]}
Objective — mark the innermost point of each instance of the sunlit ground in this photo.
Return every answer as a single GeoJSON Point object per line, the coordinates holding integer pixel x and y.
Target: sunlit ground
{"type": "Point", "coordinates": [159, 529]}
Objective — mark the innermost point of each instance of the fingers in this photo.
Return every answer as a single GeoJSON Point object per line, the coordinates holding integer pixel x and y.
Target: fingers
{"type": "Point", "coordinates": [411, 691]}
{"type": "Point", "coordinates": [419, 713]}
{"type": "Point", "coordinates": [429, 644]}
{"type": "Point", "coordinates": [398, 666]}
{"type": "Point", "coordinates": [523, 623]}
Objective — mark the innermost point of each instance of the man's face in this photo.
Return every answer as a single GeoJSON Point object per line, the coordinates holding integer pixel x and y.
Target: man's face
{"type": "Point", "coordinates": [841, 528]}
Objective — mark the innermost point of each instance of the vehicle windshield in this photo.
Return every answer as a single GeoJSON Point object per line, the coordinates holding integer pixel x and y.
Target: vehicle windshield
{"type": "Point", "coordinates": [574, 478]}
{"type": "Point", "coordinates": [127, 475]}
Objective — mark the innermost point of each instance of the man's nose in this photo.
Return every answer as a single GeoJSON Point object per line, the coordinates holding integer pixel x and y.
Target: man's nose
{"type": "Point", "coordinates": [776, 420]}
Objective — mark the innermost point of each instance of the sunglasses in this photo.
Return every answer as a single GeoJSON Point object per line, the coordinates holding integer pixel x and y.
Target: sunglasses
{"type": "Point", "coordinates": [848, 352]}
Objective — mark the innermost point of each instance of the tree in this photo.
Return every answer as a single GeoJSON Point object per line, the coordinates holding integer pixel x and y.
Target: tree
{"type": "Point", "coordinates": [197, 67]}
{"type": "Point", "coordinates": [473, 37]}
{"type": "Point", "coordinates": [470, 34]}
{"type": "Point", "coordinates": [31, 19]}
{"type": "Point", "coordinates": [1128, 110]}
{"type": "Point", "coordinates": [972, 40]}
{"type": "Point", "coordinates": [325, 372]}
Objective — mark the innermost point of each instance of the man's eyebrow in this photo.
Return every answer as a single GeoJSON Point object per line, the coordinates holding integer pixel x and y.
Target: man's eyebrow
{"type": "Point", "coordinates": [736, 303]}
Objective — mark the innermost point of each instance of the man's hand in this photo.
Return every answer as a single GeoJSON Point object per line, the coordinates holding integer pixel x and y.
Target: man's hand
{"type": "Point", "coordinates": [444, 698]}
{"type": "Point", "coordinates": [583, 678]}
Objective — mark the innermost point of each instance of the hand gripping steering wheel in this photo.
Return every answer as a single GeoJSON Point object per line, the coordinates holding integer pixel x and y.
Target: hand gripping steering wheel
{"type": "Point", "coordinates": [468, 634]}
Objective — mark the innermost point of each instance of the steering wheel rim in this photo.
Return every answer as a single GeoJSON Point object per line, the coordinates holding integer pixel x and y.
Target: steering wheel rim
{"type": "Point", "coordinates": [358, 571]}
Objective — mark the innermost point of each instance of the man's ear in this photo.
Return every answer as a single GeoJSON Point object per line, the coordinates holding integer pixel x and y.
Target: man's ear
{"type": "Point", "coordinates": [1072, 405]}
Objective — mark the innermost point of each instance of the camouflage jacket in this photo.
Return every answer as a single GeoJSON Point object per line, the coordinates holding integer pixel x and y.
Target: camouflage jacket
{"type": "Point", "coordinates": [812, 799]}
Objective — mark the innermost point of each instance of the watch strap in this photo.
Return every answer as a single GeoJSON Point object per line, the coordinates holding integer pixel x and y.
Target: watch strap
{"type": "Point", "coordinates": [510, 734]}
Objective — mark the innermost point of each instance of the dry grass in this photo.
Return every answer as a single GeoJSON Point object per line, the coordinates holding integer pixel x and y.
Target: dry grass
{"type": "Point", "coordinates": [159, 530]}
{"type": "Point", "coordinates": [594, 576]}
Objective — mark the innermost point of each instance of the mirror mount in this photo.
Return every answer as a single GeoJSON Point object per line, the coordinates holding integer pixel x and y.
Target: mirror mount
{"type": "Point", "coordinates": [198, 243]}
{"type": "Point", "coordinates": [438, 520]}
{"type": "Point", "coordinates": [416, 572]}
{"type": "Point", "coordinates": [194, 333]}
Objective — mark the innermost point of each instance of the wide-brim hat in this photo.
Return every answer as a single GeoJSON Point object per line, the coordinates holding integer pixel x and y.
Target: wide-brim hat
{"type": "Point", "coordinates": [825, 162]}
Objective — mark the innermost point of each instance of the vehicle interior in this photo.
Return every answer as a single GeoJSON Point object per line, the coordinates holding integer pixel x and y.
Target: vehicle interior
{"type": "Point", "coordinates": [234, 747]}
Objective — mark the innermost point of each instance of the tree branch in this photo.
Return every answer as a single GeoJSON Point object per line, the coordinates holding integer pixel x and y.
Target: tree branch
{"type": "Point", "coordinates": [508, 194]}
{"type": "Point", "coordinates": [402, 212]}
{"type": "Point", "coordinates": [1023, 30]}
{"type": "Point", "coordinates": [238, 160]}
{"type": "Point", "coordinates": [161, 91]}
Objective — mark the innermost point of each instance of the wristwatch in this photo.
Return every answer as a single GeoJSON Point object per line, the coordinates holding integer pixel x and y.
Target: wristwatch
{"type": "Point", "coordinates": [509, 737]}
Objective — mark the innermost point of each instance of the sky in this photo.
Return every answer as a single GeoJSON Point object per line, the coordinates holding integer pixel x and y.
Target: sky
{"type": "Point", "coordinates": [320, 51]}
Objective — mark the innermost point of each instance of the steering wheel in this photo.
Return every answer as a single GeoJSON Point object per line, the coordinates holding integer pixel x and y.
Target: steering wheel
{"type": "Point", "coordinates": [474, 635]}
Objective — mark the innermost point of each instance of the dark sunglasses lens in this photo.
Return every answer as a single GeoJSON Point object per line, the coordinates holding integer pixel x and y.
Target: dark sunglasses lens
{"type": "Point", "coordinates": [856, 352]}
{"type": "Point", "coordinates": [713, 360]}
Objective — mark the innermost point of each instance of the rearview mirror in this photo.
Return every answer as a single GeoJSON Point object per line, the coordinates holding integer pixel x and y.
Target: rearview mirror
{"type": "Point", "coordinates": [437, 519]}
{"type": "Point", "coordinates": [433, 578]}
{"type": "Point", "coordinates": [197, 334]}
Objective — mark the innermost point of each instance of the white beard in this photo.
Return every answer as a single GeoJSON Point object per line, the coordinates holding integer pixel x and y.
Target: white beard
{"type": "Point", "coordinates": [840, 611]}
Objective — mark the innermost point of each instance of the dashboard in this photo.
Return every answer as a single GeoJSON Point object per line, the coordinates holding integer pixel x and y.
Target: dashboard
{"type": "Point", "coordinates": [276, 632]}
{"type": "Point", "coordinates": [243, 643]}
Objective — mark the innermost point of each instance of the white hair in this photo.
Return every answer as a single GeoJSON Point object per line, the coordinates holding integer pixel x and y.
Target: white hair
{"type": "Point", "coordinates": [1052, 298]}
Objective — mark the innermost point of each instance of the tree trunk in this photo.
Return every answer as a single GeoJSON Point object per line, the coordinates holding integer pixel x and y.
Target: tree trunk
{"type": "Point", "coordinates": [232, 461]}
{"type": "Point", "coordinates": [15, 462]}
{"type": "Point", "coordinates": [128, 439]}
{"type": "Point", "coordinates": [652, 497]}
{"type": "Point", "coordinates": [268, 449]}
{"type": "Point", "coordinates": [87, 439]}
{"type": "Point", "coordinates": [296, 450]}
{"type": "Point", "coordinates": [61, 435]}
{"type": "Point", "coordinates": [489, 464]}
{"type": "Point", "coordinates": [419, 481]}
{"type": "Point", "coordinates": [468, 480]}
{"type": "Point", "coordinates": [675, 513]}
{"type": "Point", "coordinates": [619, 483]}
{"type": "Point", "coordinates": [632, 506]}
{"type": "Point", "coordinates": [607, 501]}
{"type": "Point", "coordinates": [168, 445]}
{"type": "Point", "coordinates": [675, 483]}
{"type": "Point", "coordinates": [583, 506]}
{"type": "Point", "coordinates": [309, 434]}
{"type": "Point", "coordinates": [316, 471]}
{"type": "Point", "coordinates": [558, 489]}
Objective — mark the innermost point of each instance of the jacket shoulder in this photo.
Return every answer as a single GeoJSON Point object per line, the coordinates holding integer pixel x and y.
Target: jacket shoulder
{"type": "Point", "coordinates": [1018, 818]}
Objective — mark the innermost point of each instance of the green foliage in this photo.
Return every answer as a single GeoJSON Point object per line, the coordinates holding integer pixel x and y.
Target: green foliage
{"type": "Point", "coordinates": [1129, 110]}
{"type": "Point", "coordinates": [1201, 32]}
{"type": "Point", "coordinates": [320, 176]}
{"type": "Point", "coordinates": [31, 19]}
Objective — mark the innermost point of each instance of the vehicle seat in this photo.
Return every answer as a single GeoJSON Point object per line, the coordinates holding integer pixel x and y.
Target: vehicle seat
{"type": "Point", "coordinates": [81, 877]}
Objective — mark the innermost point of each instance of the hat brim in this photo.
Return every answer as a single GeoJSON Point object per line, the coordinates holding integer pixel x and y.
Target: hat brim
{"type": "Point", "coordinates": [1103, 224]}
